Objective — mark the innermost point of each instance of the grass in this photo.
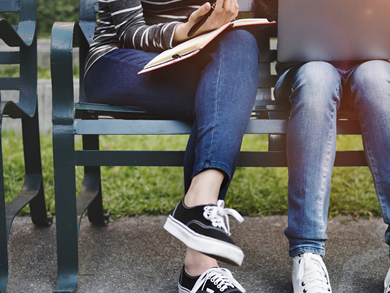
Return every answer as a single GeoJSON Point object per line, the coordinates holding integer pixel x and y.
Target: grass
{"type": "Point", "coordinates": [43, 73]}
{"type": "Point", "coordinates": [129, 191]}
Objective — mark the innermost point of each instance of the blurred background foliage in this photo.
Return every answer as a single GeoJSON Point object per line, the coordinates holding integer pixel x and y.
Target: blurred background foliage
{"type": "Point", "coordinates": [48, 12]}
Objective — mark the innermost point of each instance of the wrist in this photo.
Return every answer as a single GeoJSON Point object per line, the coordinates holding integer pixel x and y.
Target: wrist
{"type": "Point", "coordinates": [181, 32]}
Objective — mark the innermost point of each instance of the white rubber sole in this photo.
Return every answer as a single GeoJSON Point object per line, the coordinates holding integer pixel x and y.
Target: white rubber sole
{"type": "Point", "coordinates": [218, 249]}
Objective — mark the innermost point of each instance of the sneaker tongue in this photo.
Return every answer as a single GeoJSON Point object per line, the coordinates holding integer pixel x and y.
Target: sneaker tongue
{"type": "Point", "coordinates": [216, 280]}
{"type": "Point", "coordinates": [312, 274]}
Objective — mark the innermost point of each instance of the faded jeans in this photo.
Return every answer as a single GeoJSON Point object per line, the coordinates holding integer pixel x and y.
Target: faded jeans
{"type": "Point", "coordinates": [215, 89]}
{"type": "Point", "coordinates": [315, 90]}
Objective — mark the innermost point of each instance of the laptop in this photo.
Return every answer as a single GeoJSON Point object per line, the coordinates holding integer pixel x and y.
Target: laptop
{"type": "Point", "coordinates": [333, 30]}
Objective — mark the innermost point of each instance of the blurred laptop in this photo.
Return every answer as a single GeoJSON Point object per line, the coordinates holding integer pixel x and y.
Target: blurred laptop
{"type": "Point", "coordinates": [333, 30]}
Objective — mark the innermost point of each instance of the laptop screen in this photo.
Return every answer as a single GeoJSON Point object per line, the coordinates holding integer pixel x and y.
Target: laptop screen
{"type": "Point", "coordinates": [333, 30]}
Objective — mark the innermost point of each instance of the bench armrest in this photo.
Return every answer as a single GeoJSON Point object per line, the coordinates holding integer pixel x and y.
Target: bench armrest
{"type": "Point", "coordinates": [23, 35]}
{"type": "Point", "coordinates": [65, 36]}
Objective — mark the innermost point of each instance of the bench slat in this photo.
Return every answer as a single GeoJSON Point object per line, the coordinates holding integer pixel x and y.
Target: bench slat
{"type": "Point", "coordinates": [176, 158]}
{"type": "Point", "coordinates": [9, 83]}
{"type": "Point", "coordinates": [9, 58]}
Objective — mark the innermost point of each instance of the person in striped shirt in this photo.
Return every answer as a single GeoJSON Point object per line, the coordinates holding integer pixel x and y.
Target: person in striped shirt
{"type": "Point", "coordinates": [215, 89]}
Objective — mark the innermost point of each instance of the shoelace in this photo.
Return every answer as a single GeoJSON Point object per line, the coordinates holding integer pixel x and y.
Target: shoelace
{"type": "Point", "coordinates": [218, 216]}
{"type": "Point", "coordinates": [312, 275]}
{"type": "Point", "coordinates": [222, 278]}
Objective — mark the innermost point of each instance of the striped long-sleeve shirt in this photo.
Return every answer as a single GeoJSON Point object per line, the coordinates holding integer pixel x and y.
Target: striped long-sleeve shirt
{"type": "Point", "coordinates": [141, 24]}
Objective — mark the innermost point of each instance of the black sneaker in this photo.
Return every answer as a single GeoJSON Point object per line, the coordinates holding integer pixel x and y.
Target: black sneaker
{"type": "Point", "coordinates": [214, 280]}
{"type": "Point", "coordinates": [206, 229]}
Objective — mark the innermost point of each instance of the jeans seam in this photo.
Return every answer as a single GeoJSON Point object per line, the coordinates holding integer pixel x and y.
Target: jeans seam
{"type": "Point", "coordinates": [215, 120]}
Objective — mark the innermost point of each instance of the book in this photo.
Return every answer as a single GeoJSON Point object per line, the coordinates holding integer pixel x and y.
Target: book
{"type": "Point", "coordinates": [193, 46]}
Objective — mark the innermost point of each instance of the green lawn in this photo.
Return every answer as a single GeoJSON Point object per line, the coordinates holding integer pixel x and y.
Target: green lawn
{"type": "Point", "coordinates": [155, 190]}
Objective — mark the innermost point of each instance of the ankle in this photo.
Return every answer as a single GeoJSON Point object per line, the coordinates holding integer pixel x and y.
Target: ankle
{"type": "Point", "coordinates": [197, 263]}
{"type": "Point", "coordinates": [204, 188]}
{"type": "Point", "coordinates": [193, 199]}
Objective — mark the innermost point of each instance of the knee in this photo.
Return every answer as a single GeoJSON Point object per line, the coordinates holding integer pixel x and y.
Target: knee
{"type": "Point", "coordinates": [317, 87]}
{"type": "Point", "coordinates": [371, 85]}
{"type": "Point", "coordinates": [372, 75]}
{"type": "Point", "coordinates": [318, 77]}
{"type": "Point", "coordinates": [241, 44]}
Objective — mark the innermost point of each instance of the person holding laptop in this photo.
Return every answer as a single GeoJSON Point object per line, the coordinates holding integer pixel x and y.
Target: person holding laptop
{"type": "Point", "coordinates": [330, 52]}
{"type": "Point", "coordinates": [315, 90]}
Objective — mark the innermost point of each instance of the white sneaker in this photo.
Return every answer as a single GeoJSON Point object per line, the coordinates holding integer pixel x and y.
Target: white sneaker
{"type": "Point", "coordinates": [387, 282]}
{"type": "Point", "coordinates": [309, 274]}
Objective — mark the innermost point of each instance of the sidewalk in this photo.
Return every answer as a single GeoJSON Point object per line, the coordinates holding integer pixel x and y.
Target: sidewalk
{"type": "Point", "coordinates": [137, 255]}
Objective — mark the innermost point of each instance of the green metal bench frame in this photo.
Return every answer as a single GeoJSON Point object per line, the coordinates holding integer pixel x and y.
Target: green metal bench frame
{"type": "Point", "coordinates": [90, 121]}
{"type": "Point", "coordinates": [23, 35]}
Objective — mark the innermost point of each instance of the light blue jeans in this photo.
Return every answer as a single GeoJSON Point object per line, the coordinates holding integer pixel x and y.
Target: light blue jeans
{"type": "Point", "coordinates": [216, 89]}
{"type": "Point", "coordinates": [315, 90]}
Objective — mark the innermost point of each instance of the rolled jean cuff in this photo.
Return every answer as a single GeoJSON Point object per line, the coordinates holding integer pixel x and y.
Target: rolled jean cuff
{"type": "Point", "coordinates": [300, 249]}
{"type": "Point", "coordinates": [215, 165]}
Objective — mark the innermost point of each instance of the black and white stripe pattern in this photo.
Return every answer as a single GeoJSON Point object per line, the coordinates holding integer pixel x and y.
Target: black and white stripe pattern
{"type": "Point", "coordinates": [146, 25]}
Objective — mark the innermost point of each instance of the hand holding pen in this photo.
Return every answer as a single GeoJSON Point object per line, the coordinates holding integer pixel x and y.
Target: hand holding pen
{"type": "Point", "coordinates": [201, 20]}
{"type": "Point", "coordinates": [198, 23]}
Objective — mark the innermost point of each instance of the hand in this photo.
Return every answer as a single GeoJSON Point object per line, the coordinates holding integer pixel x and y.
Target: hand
{"type": "Point", "coordinates": [225, 11]}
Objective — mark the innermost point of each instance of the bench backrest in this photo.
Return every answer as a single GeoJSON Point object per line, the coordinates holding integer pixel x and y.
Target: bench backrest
{"type": "Point", "coordinates": [21, 36]}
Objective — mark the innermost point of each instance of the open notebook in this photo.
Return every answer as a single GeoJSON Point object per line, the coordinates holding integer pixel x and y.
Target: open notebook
{"type": "Point", "coordinates": [193, 46]}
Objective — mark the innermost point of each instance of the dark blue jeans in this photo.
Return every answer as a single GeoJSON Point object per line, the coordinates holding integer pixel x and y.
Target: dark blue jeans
{"type": "Point", "coordinates": [216, 89]}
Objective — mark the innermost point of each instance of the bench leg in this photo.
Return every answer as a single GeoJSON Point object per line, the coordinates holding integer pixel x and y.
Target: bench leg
{"type": "Point", "coordinates": [33, 166]}
{"type": "Point", "coordinates": [32, 192]}
{"type": "Point", "coordinates": [66, 210]}
{"type": "Point", "coordinates": [92, 183]}
{"type": "Point", "coordinates": [3, 236]}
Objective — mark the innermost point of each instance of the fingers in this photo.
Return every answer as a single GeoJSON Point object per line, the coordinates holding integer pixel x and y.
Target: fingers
{"type": "Point", "coordinates": [200, 12]}
{"type": "Point", "coordinates": [226, 10]}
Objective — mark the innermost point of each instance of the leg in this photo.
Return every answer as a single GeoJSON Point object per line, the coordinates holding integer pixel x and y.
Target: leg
{"type": "Point", "coordinates": [311, 143]}
{"type": "Point", "coordinates": [215, 140]}
{"type": "Point", "coordinates": [369, 87]}
{"type": "Point", "coordinates": [66, 214]}
{"type": "Point", "coordinates": [3, 230]}
{"type": "Point", "coordinates": [217, 80]}
{"type": "Point", "coordinates": [33, 166]}
{"type": "Point", "coordinates": [92, 188]}
{"type": "Point", "coordinates": [314, 91]}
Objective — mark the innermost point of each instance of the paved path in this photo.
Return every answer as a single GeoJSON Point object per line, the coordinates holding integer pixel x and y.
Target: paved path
{"type": "Point", "coordinates": [137, 255]}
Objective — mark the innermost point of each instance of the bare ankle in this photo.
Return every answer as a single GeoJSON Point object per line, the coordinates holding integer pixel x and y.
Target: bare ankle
{"type": "Point", "coordinates": [197, 263]}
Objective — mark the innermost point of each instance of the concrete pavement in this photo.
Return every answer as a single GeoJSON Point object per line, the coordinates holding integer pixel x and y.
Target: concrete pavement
{"type": "Point", "coordinates": [137, 255]}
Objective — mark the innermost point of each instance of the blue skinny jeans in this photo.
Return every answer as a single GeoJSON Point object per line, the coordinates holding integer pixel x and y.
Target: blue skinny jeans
{"type": "Point", "coordinates": [216, 89]}
{"type": "Point", "coordinates": [315, 90]}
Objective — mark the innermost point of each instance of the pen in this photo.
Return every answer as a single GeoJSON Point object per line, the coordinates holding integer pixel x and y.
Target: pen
{"type": "Point", "coordinates": [200, 22]}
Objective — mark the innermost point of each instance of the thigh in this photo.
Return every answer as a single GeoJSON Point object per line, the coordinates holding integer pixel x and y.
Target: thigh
{"type": "Point", "coordinates": [169, 91]}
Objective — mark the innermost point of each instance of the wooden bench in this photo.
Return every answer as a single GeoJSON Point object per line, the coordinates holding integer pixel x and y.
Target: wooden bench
{"type": "Point", "coordinates": [91, 120]}
{"type": "Point", "coordinates": [22, 36]}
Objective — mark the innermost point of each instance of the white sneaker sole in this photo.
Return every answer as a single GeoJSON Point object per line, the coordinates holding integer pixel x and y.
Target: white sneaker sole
{"type": "Point", "coordinates": [215, 248]}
